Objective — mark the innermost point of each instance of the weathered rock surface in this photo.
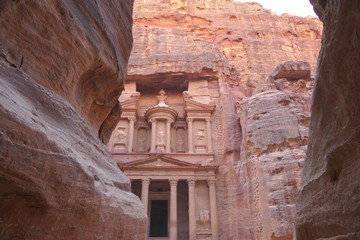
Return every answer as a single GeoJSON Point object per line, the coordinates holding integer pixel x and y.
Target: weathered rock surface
{"type": "Point", "coordinates": [71, 48]}
{"type": "Point", "coordinates": [274, 123]}
{"type": "Point", "coordinates": [328, 205]}
{"type": "Point", "coordinates": [62, 64]}
{"type": "Point", "coordinates": [249, 37]}
{"type": "Point", "coordinates": [292, 71]}
{"type": "Point", "coordinates": [170, 57]}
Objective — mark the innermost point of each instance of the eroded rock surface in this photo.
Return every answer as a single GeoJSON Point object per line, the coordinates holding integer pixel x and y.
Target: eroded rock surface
{"type": "Point", "coordinates": [274, 123]}
{"type": "Point", "coordinates": [328, 206]}
{"type": "Point", "coordinates": [292, 71]}
{"type": "Point", "coordinates": [249, 37]}
{"type": "Point", "coordinates": [62, 64]}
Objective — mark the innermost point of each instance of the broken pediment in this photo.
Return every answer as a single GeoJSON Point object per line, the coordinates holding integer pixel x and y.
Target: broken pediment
{"type": "Point", "coordinates": [192, 105]}
{"type": "Point", "coordinates": [132, 102]}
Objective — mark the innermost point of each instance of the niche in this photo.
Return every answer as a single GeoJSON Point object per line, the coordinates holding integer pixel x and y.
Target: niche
{"type": "Point", "coordinates": [180, 140]}
{"type": "Point", "coordinates": [141, 144]}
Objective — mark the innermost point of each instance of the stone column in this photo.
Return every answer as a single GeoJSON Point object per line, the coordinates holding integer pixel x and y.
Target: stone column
{"type": "Point", "coordinates": [190, 135]}
{"type": "Point", "coordinates": [208, 131]}
{"type": "Point", "coordinates": [213, 210]}
{"type": "Point", "coordinates": [168, 135]}
{"type": "Point", "coordinates": [145, 193]}
{"type": "Point", "coordinates": [192, 210]}
{"type": "Point", "coordinates": [173, 209]}
{"type": "Point", "coordinates": [131, 134]}
{"type": "Point", "coordinates": [153, 135]}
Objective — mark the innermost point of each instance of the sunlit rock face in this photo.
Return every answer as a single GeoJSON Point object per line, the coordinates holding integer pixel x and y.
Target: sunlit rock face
{"type": "Point", "coordinates": [229, 51]}
{"type": "Point", "coordinates": [62, 64]}
{"type": "Point", "coordinates": [249, 37]}
{"type": "Point", "coordinates": [328, 205]}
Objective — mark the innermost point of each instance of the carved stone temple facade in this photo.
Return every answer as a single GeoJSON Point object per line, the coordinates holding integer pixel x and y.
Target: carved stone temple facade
{"type": "Point", "coordinates": [164, 143]}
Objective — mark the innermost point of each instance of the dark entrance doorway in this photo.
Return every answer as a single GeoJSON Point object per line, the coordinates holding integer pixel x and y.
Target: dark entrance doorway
{"type": "Point", "coordinates": [159, 218]}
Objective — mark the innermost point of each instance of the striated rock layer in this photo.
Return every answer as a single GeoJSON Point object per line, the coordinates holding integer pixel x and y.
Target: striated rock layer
{"type": "Point", "coordinates": [62, 64]}
{"type": "Point", "coordinates": [228, 51]}
{"type": "Point", "coordinates": [328, 205]}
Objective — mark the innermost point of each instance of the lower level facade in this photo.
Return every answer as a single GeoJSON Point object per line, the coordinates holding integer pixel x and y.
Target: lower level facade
{"type": "Point", "coordinates": [179, 197]}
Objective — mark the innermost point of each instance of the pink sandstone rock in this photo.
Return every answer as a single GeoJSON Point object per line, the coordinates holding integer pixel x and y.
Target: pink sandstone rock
{"type": "Point", "coordinates": [292, 71]}
{"type": "Point", "coordinates": [274, 127]}
{"type": "Point", "coordinates": [250, 38]}
{"type": "Point", "coordinates": [328, 205]}
{"type": "Point", "coordinates": [62, 64]}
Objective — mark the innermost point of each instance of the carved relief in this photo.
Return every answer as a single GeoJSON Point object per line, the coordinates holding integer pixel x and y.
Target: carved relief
{"type": "Point", "coordinates": [120, 136]}
{"type": "Point", "coordinates": [162, 97]}
{"type": "Point", "coordinates": [160, 137]}
{"type": "Point", "coordinates": [200, 136]}
{"type": "Point", "coordinates": [180, 140]}
{"type": "Point", "coordinates": [203, 220]}
{"type": "Point", "coordinates": [120, 139]}
{"type": "Point", "coordinates": [141, 140]}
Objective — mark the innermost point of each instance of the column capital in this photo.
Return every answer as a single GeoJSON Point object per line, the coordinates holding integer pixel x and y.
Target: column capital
{"type": "Point", "coordinates": [168, 120]}
{"type": "Point", "coordinates": [207, 119]}
{"type": "Point", "coordinates": [189, 120]}
{"type": "Point", "coordinates": [173, 182]}
{"type": "Point", "coordinates": [145, 181]}
{"type": "Point", "coordinates": [132, 119]}
{"type": "Point", "coordinates": [152, 120]}
{"type": "Point", "coordinates": [211, 182]}
{"type": "Point", "coordinates": [191, 182]}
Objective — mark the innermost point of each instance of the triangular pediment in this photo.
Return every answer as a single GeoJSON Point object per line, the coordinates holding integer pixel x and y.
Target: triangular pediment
{"type": "Point", "coordinates": [157, 161]}
{"type": "Point", "coordinates": [132, 102]}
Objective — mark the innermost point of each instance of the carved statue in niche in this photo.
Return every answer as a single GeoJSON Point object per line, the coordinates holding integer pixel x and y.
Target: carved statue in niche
{"type": "Point", "coordinates": [203, 219]}
{"type": "Point", "coordinates": [162, 97]}
{"type": "Point", "coordinates": [120, 135]}
{"type": "Point", "coordinates": [180, 144]}
{"type": "Point", "coordinates": [141, 140]}
{"type": "Point", "coordinates": [200, 136]}
{"type": "Point", "coordinates": [161, 137]}
{"type": "Point", "coordinates": [160, 140]}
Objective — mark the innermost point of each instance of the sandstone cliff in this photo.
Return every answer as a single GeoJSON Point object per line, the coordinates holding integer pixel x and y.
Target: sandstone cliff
{"type": "Point", "coordinates": [234, 48]}
{"type": "Point", "coordinates": [251, 39]}
{"type": "Point", "coordinates": [274, 121]}
{"type": "Point", "coordinates": [62, 64]}
{"type": "Point", "coordinates": [328, 206]}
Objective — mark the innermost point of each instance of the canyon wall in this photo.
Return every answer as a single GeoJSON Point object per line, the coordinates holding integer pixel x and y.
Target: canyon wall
{"type": "Point", "coordinates": [62, 67]}
{"type": "Point", "coordinates": [274, 121]}
{"type": "Point", "coordinates": [234, 48]}
{"type": "Point", "coordinates": [328, 204]}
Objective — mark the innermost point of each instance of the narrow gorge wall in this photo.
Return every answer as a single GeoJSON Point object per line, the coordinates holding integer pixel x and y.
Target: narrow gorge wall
{"type": "Point", "coordinates": [328, 205]}
{"type": "Point", "coordinates": [227, 51]}
{"type": "Point", "coordinates": [62, 67]}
